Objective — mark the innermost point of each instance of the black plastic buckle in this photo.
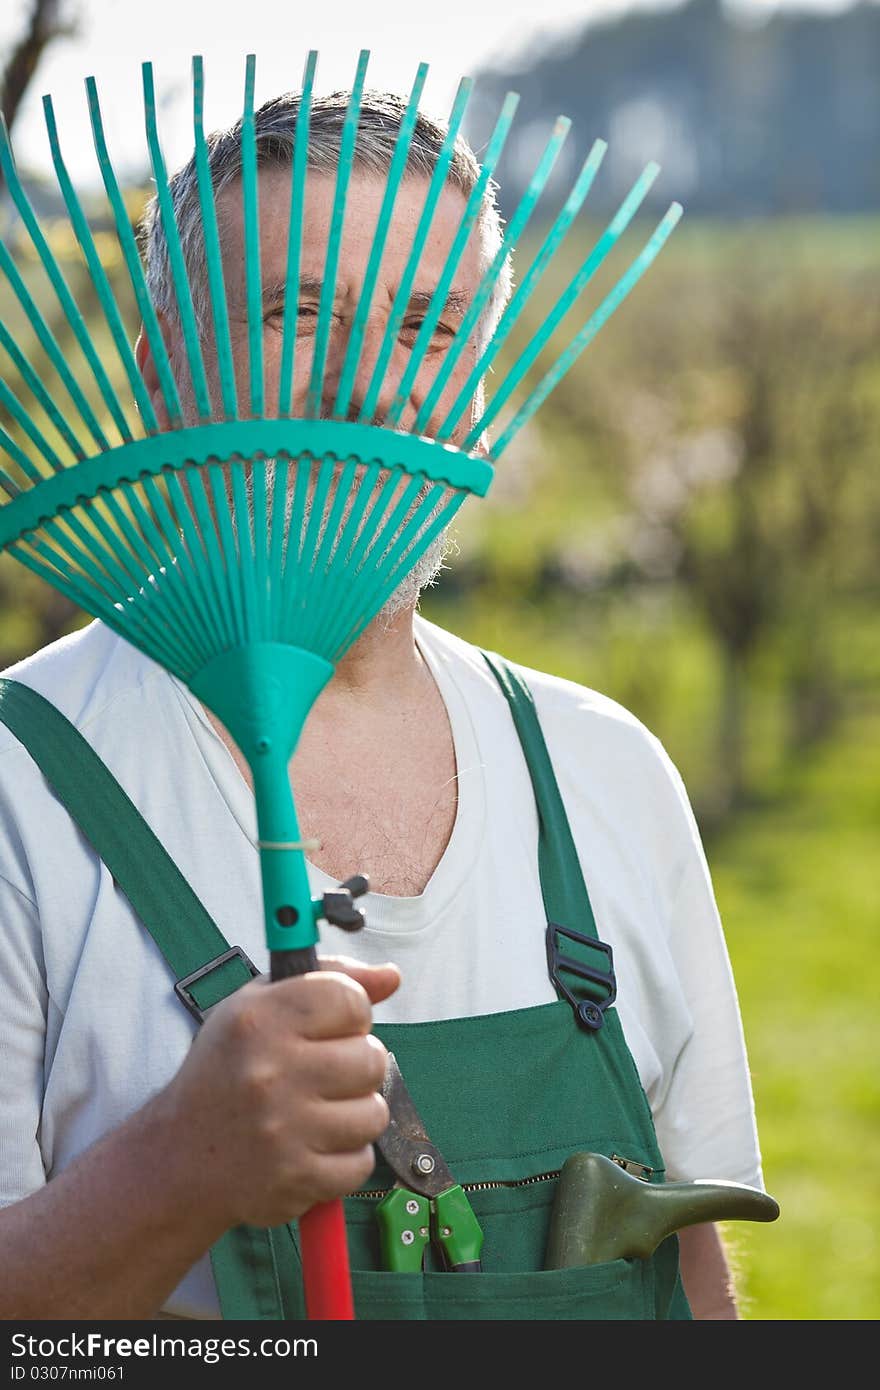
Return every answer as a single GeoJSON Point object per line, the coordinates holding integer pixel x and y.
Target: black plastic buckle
{"type": "Point", "coordinates": [182, 990]}
{"type": "Point", "coordinates": [590, 1013]}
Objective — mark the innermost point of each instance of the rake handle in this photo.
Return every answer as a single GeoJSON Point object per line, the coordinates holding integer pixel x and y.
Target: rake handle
{"type": "Point", "coordinates": [323, 1240]}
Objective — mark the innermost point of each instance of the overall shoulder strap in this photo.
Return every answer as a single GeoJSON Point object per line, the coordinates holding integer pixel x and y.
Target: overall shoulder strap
{"type": "Point", "coordinates": [179, 924]}
{"type": "Point", "coordinates": [205, 967]}
{"type": "Point", "coordinates": [580, 966]}
{"type": "Point", "coordinates": [562, 881]}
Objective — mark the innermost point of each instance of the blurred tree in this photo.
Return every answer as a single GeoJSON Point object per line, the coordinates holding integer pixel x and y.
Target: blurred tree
{"type": "Point", "coordinates": [748, 115]}
{"type": "Point", "coordinates": [44, 24]}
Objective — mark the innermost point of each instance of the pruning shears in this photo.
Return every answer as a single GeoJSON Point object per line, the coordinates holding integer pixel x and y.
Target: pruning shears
{"type": "Point", "coordinates": [426, 1205]}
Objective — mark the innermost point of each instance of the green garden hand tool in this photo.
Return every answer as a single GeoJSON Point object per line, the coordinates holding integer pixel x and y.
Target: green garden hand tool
{"type": "Point", "coordinates": [426, 1204]}
{"type": "Point", "coordinates": [601, 1212]}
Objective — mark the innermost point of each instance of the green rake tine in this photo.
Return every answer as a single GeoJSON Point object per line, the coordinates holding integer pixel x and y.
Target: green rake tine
{"type": "Point", "coordinates": [207, 534]}
{"type": "Point", "coordinates": [213, 254]}
{"type": "Point", "coordinates": [245, 546]}
{"type": "Point", "coordinates": [277, 530]}
{"type": "Point", "coordinates": [438, 298]}
{"type": "Point", "coordinates": [521, 295]}
{"type": "Point", "coordinates": [79, 567]}
{"type": "Point", "coordinates": [134, 538]}
{"type": "Point", "coordinates": [395, 175]}
{"type": "Point", "coordinates": [23, 419]}
{"type": "Point", "coordinates": [340, 575]}
{"type": "Point", "coordinates": [316, 527]}
{"type": "Point", "coordinates": [512, 233]}
{"type": "Point", "coordinates": [179, 274]}
{"type": "Point", "coordinates": [255, 343]}
{"type": "Point", "coordinates": [173, 567]}
{"type": "Point", "coordinates": [414, 540]}
{"type": "Point", "coordinates": [323, 556]}
{"type": "Point", "coordinates": [376, 503]}
{"type": "Point", "coordinates": [590, 329]}
{"type": "Point", "coordinates": [29, 376]}
{"type": "Point", "coordinates": [111, 537]}
{"type": "Point", "coordinates": [132, 259]}
{"type": "Point", "coordinates": [104, 548]}
{"type": "Point", "coordinates": [80, 595]}
{"type": "Point", "coordinates": [341, 578]}
{"type": "Point", "coordinates": [606, 242]}
{"type": "Point", "coordinates": [334, 240]}
{"type": "Point", "coordinates": [393, 577]}
{"type": "Point", "coordinates": [17, 454]}
{"type": "Point", "coordinates": [105, 294]}
{"type": "Point", "coordinates": [162, 641]}
{"type": "Point", "coordinates": [294, 238]}
{"type": "Point", "coordinates": [193, 543]}
{"type": "Point", "coordinates": [410, 537]}
{"type": "Point", "coordinates": [401, 299]}
{"type": "Point", "coordinates": [163, 535]}
{"type": "Point", "coordinates": [383, 538]}
{"type": "Point", "coordinates": [50, 346]}
{"type": "Point", "coordinates": [111, 569]}
{"type": "Point", "coordinates": [251, 227]}
{"type": "Point", "coordinates": [291, 575]}
{"type": "Point", "coordinates": [68, 305]}
{"type": "Point", "coordinates": [229, 552]}
{"type": "Point", "coordinates": [260, 509]}
{"type": "Point", "coordinates": [11, 489]}
{"type": "Point", "coordinates": [57, 554]}
{"type": "Point", "coordinates": [99, 276]}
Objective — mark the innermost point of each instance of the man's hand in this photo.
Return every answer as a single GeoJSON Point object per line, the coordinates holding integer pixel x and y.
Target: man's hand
{"type": "Point", "coordinates": [279, 1096]}
{"type": "Point", "coordinates": [274, 1109]}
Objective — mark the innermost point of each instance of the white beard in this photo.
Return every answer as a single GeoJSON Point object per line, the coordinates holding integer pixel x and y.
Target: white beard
{"type": "Point", "coordinates": [422, 575]}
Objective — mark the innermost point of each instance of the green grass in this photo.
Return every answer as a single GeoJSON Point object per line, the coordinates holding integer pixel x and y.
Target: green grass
{"type": "Point", "coordinates": [797, 884]}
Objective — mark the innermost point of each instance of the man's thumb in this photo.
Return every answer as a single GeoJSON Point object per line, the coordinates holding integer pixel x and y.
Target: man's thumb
{"type": "Point", "coordinates": [379, 981]}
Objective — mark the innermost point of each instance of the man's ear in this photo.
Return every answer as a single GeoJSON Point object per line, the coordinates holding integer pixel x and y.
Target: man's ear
{"type": "Point", "coordinates": [146, 362]}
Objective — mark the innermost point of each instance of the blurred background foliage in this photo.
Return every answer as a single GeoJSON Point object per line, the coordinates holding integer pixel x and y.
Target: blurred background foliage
{"type": "Point", "coordinates": [691, 524]}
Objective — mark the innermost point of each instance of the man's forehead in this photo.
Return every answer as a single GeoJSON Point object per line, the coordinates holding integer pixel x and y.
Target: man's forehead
{"type": "Point", "coordinates": [363, 206]}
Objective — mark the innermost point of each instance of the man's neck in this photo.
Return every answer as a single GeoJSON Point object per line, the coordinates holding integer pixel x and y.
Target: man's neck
{"type": "Point", "coordinates": [383, 664]}
{"type": "Point", "coordinates": [381, 672]}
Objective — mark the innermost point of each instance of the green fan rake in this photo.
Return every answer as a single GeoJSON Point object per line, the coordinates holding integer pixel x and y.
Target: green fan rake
{"type": "Point", "coordinates": [248, 550]}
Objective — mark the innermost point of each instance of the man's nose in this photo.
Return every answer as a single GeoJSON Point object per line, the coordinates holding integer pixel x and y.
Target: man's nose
{"type": "Point", "coordinates": [362, 372]}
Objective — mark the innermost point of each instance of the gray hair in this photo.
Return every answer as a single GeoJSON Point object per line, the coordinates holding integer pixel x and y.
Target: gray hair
{"type": "Point", "coordinates": [380, 120]}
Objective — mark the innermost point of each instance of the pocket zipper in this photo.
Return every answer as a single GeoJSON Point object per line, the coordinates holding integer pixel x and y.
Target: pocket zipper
{"type": "Point", "coordinates": [376, 1193]}
{"type": "Point", "coordinates": [630, 1165]}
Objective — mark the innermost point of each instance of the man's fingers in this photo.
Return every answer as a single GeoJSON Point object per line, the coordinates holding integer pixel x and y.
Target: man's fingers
{"type": "Point", "coordinates": [345, 1126]}
{"type": "Point", "coordinates": [379, 981]}
{"type": "Point", "coordinates": [343, 1068]}
{"type": "Point", "coordinates": [329, 1004]}
{"type": "Point", "coordinates": [342, 1173]}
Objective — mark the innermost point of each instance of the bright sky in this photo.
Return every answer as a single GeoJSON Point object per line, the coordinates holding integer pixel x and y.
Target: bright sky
{"type": "Point", "coordinates": [455, 36]}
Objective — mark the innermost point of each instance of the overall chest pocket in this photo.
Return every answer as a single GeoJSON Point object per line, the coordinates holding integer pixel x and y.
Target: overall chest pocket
{"type": "Point", "coordinates": [513, 1283]}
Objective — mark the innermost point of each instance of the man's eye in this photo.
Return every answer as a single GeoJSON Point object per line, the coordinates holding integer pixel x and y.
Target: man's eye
{"type": "Point", "coordinates": [442, 332]}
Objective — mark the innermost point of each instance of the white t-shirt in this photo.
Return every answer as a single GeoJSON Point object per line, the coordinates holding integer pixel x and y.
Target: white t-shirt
{"type": "Point", "coordinates": [90, 1028]}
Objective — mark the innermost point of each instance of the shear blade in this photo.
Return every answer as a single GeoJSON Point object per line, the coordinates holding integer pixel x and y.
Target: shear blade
{"type": "Point", "coordinates": [405, 1146]}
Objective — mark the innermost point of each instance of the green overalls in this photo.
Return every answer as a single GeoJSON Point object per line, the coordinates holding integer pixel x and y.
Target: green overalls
{"type": "Point", "coordinates": [507, 1097]}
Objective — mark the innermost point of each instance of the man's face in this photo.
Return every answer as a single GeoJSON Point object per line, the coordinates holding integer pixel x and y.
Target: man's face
{"type": "Point", "coordinates": [363, 203]}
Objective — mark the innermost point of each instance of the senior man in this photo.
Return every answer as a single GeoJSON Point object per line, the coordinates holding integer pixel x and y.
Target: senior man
{"type": "Point", "coordinates": [132, 1141]}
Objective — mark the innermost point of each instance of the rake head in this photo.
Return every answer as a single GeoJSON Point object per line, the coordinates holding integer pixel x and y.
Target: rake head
{"type": "Point", "coordinates": [244, 491]}
{"type": "Point", "coordinates": [241, 494]}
